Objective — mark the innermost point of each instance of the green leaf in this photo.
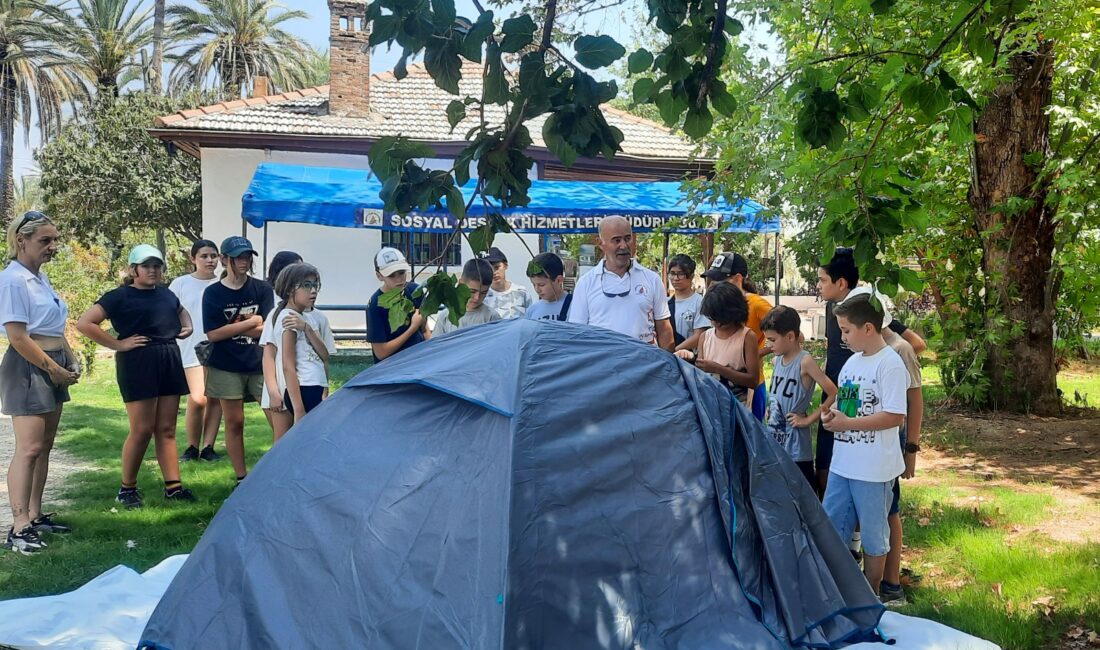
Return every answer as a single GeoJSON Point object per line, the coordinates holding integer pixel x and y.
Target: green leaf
{"type": "Point", "coordinates": [474, 40]}
{"type": "Point", "coordinates": [698, 121]}
{"type": "Point", "coordinates": [556, 142]}
{"type": "Point", "coordinates": [444, 12]}
{"type": "Point", "coordinates": [639, 61]}
{"type": "Point", "coordinates": [980, 43]}
{"type": "Point", "coordinates": [882, 6]}
{"type": "Point", "coordinates": [456, 203]}
{"type": "Point", "coordinates": [641, 90]}
{"type": "Point", "coordinates": [722, 100]}
{"type": "Point", "coordinates": [519, 32]}
{"type": "Point", "coordinates": [670, 105]}
{"type": "Point", "coordinates": [910, 280]}
{"type": "Point", "coordinates": [819, 122]}
{"type": "Point", "coordinates": [960, 128]}
{"type": "Point", "coordinates": [399, 307]}
{"type": "Point", "coordinates": [496, 89]}
{"type": "Point", "coordinates": [442, 62]}
{"type": "Point", "coordinates": [597, 51]}
{"type": "Point", "coordinates": [733, 27]}
{"type": "Point", "coordinates": [383, 28]}
{"type": "Point", "coordinates": [934, 100]}
{"type": "Point", "coordinates": [456, 112]}
{"type": "Point", "coordinates": [399, 69]}
{"type": "Point", "coordinates": [481, 238]}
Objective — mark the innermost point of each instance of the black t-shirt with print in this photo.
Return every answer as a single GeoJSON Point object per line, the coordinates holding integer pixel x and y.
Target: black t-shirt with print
{"type": "Point", "coordinates": [222, 306]}
{"type": "Point", "coordinates": [148, 312]}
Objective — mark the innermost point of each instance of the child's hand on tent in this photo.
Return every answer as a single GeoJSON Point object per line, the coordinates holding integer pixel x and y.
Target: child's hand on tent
{"type": "Point", "coordinates": [686, 355]}
{"type": "Point", "coordinates": [708, 366]}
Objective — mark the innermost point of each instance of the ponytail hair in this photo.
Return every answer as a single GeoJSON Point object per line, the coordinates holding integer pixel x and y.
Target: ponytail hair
{"type": "Point", "coordinates": [25, 225]}
{"type": "Point", "coordinates": [288, 280]}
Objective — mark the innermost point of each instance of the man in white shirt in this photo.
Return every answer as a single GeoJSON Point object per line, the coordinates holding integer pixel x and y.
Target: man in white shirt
{"type": "Point", "coordinates": [621, 295]}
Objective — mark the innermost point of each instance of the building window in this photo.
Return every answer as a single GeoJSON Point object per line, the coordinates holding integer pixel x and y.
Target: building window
{"type": "Point", "coordinates": [422, 248]}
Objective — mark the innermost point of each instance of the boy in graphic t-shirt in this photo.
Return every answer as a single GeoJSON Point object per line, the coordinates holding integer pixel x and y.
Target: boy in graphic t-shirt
{"type": "Point", "coordinates": [870, 407]}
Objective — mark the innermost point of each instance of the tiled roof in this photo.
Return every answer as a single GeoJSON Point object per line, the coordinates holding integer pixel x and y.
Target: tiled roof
{"type": "Point", "coordinates": [413, 107]}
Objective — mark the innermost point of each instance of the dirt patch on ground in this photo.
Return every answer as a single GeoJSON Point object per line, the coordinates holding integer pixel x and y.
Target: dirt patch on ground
{"type": "Point", "coordinates": [1055, 456]}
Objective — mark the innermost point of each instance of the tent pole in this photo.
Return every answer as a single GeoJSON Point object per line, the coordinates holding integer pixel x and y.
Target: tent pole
{"type": "Point", "coordinates": [267, 225]}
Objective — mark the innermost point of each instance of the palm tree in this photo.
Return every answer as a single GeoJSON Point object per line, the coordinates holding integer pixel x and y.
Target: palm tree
{"type": "Point", "coordinates": [234, 41]}
{"type": "Point", "coordinates": [315, 68]}
{"type": "Point", "coordinates": [32, 79]}
{"type": "Point", "coordinates": [157, 65]}
{"type": "Point", "coordinates": [104, 39]}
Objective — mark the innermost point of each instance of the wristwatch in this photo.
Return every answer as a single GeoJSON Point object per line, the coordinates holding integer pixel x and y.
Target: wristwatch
{"type": "Point", "coordinates": [911, 447]}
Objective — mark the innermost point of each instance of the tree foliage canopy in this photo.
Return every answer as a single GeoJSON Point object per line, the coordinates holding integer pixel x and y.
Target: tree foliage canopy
{"type": "Point", "coordinates": [104, 174]}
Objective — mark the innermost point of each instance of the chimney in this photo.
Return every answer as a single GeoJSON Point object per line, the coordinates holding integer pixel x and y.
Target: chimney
{"type": "Point", "coordinates": [349, 59]}
{"type": "Point", "coordinates": [260, 86]}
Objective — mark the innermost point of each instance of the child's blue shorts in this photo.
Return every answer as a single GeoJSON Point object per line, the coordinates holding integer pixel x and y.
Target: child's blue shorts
{"type": "Point", "coordinates": [849, 501]}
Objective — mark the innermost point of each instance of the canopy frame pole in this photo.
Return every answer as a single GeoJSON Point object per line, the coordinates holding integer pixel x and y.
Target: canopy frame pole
{"type": "Point", "coordinates": [664, 261]}
{"type": "Point", "coordinates": [267, 225]}
{"type": "Point", "coordinates": [778, 268]}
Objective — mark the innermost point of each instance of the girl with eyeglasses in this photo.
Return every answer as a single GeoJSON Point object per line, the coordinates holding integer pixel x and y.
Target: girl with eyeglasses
{"type": "Point", "coordinates": [35, 374]}
{"type": "Point", "coordinates": [297, 342]}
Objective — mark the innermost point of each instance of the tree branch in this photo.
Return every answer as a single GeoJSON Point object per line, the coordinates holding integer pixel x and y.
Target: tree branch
{"type": "Point", "coordinates": [715, 49]}
{"type": "Point", "coordinates": [951, 35]}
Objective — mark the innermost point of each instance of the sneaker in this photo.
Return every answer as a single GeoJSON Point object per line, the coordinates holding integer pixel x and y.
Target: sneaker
{"type": "Point", "coordinates": [178, 494]}
{"type": "Point", "coordinates": [131, 498]}
{"type": "Point", "coordinates": [46, 524]}
{"type": "Point", "coordinates": [191, 453]}
{"type": "Point", "coordinates": [892, 595]}
{"type": "Point", "coordinates": [208, 454]}
{"type": "Point", "coordinates": [25, 541]}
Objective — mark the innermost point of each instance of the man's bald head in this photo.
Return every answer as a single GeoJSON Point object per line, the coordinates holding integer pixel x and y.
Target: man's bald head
{"type": "Point", "coordinates": [615, 225]}
{"type": "Point", "coordinates": [617, 244]}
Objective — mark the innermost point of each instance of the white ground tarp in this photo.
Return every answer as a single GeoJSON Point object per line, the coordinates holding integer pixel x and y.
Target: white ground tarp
{"type": "Point", "coordinates": [111, 612]}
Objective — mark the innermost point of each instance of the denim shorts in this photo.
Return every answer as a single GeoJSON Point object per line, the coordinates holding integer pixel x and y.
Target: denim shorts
{"type": "Point", "coordinates": [849, 501]}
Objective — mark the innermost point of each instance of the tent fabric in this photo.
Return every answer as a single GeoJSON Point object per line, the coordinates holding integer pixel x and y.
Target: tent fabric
{"type": "Point", "coordinates": [349, 198]}
{"type": "Point", "coordinates": [521, 484]}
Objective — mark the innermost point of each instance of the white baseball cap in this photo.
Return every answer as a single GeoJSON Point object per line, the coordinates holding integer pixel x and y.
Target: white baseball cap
{"type": "Point", "coordinates": [390, 261]}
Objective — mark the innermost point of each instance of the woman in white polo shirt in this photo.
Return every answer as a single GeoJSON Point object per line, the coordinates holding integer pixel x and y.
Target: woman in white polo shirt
{"type": "Point", "coordinates": [35, 374]}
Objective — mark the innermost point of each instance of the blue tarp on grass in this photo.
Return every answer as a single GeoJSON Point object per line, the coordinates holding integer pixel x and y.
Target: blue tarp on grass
{"type": "Point", "coordinates": [349, 198]}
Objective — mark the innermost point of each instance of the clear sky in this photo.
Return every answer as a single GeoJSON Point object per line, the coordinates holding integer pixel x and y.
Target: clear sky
{"type": "Point", "coordinates": [621, 23]}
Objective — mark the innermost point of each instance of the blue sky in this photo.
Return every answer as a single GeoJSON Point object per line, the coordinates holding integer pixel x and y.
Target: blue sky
{"type": "Point", "coordinates": [618, 23]}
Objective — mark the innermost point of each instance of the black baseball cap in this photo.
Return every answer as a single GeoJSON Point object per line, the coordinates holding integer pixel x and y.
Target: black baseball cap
{"type": "Point", "coordinates": [495, 256]}
{"type": "Point", "coordinates": [725, 266]}
{"type": "Point", "coordinates": [236, 246]}
{"type": "Point", "coordinates": [550, 264]}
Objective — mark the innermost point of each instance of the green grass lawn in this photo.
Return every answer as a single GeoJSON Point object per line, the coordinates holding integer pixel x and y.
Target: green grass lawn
{"type": "Point", "coordinates": [94, 426]}
{"type": "Point", "coordinates": [983, 569]}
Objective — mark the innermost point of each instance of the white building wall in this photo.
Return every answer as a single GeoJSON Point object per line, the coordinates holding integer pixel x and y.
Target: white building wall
{"type": "Point", "coordinates": [344, 256]}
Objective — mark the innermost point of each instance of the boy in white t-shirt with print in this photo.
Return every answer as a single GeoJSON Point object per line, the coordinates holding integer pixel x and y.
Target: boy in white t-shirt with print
{"type": "Point", "coordinates": [507, 298]}
{"type": "Point", "coordinates": [870, 407]}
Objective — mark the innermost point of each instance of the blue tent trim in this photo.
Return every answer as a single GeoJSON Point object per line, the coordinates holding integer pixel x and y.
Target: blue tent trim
{"type": "Point", "coordinates": [349, 198]}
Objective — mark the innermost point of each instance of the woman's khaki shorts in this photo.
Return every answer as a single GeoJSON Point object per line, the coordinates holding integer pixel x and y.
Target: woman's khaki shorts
{"type": "Point", "coordinates": [222, 384]}
{"type": "Point", "coordinates": [27, 390]}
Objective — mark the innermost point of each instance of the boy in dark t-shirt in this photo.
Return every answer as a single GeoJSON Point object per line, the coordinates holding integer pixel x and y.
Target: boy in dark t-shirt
{"type": "Point", "coordinates": [393, 271]}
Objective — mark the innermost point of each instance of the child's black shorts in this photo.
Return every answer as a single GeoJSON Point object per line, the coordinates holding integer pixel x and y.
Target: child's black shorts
{"type": "Point", "coordinates": [153, 370]}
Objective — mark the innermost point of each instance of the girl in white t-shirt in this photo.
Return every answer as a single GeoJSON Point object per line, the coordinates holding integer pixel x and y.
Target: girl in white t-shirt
{"type": "Point", "coordinates": [203, 416]}
{"type": "Point", "coordinates": [297, 342]}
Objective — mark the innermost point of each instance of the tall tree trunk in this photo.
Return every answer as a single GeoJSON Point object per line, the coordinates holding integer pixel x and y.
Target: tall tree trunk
{"type": "Point", "coordinates": [7, 149]}
{"type": "Point", "coordinates": [1018, 236]}
{"type": "Point", "coordinates": [157, 64]}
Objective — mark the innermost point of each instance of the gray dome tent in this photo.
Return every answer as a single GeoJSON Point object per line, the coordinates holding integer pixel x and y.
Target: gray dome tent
{"type": "Point", "coordinates": [522, 484]}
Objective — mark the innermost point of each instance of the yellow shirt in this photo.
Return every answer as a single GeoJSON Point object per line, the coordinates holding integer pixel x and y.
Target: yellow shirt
{"type": "Point", "coordinates": [758, 308]}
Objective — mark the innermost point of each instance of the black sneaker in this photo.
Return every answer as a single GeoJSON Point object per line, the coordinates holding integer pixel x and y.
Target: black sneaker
{"type": "Point", "coordinates": [191, 453]}
{"type": "Point", "coordinates": [178, 494]}
{"type": "Point", "coordinates": [891, 595]}
{"type": "Point", "coordinates": [129, 497]}
{"type": "Point", "coordinates": [46, 524]}
{"type": "Point", "coordinates": [208, 454]}
{"type": "Point", "coordinates": [26, 541]}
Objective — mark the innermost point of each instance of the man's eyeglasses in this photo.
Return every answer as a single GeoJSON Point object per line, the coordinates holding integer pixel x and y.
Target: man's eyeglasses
{"type": "Point", "coordinates": [608, 293]}
{"type": "Point", "coordinates": [310, 286]}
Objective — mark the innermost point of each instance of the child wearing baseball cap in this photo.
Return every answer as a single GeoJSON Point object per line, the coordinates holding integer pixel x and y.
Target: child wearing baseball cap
{"type": "Point", "coordinates": [393, 272]}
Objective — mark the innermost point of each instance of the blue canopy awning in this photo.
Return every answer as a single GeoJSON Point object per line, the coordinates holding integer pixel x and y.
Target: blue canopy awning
{"type": "Point", "coordinates": [349, 198]}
